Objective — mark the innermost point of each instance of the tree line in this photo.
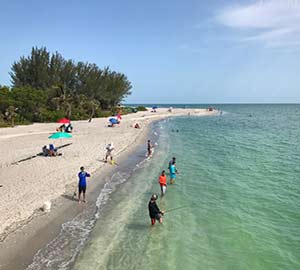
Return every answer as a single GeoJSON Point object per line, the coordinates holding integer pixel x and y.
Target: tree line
{"type": "Point", "coordinates": [46, 87]}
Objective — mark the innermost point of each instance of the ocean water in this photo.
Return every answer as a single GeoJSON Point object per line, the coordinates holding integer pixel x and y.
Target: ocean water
{"type": "Point", "coordinates": [236, 197]}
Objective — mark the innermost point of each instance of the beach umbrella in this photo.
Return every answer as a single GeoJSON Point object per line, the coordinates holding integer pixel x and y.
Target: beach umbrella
{"type": "Point", "coordinates": [60, 135]}
{"type": "Point", "coordinates": [154, 107]}
{"type": "Point", "coordinates": [64, 121]}
{"type": "Point", "coordinates": [113, 120]}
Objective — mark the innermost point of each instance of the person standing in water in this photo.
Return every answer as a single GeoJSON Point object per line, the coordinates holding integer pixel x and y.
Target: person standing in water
{"type": "Point", "coordinates": [154, 212]}
{"type": "Point", "coordinates": [82, 175]}
{"type": "Point", "coordinates": [149, 148]}
{"type": "Point", "coordinates": [163, 183]}
{"type": "Point", "coordinates": [170, 163]}
{"type": "Point", "coordinates": [173, 172]}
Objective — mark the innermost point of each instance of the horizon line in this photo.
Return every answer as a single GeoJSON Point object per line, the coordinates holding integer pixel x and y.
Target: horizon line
{"type": "Point", "coordinates": [206, 103]}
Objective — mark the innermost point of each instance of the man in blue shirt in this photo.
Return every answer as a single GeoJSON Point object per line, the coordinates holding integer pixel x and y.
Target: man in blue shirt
{"type": "Point", "coordinates": [82, 175]}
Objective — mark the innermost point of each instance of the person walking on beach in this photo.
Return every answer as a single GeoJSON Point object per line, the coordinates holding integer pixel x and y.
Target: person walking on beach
{"type": "Point", "coordinates": [154, 212]}
{"type": "Point", "coordinates": [163, 183]}
{"type": "Point", "coordinates": [173, 172]}
{"type": "Point", "coordinates": [109, 149]}
{"type": "Point", "coordinates": [82, 175]}
{"type": "Point", "coordinates": [149, 148]}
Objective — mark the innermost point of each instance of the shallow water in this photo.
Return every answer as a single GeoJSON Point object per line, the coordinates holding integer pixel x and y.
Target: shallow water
{"type": "Point", "coordinates": [238, 186]}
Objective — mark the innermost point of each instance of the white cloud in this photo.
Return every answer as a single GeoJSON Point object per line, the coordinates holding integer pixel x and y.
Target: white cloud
{"type": "Point", "coordinates": [275, 23]}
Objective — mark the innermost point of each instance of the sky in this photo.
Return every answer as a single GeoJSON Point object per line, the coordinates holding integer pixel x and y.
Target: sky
{"type": "Point", "coordinates": [172, 51]}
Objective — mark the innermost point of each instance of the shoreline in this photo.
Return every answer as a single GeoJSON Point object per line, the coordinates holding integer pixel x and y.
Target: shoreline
{"type": "Point", "coordinates": [41, 228]}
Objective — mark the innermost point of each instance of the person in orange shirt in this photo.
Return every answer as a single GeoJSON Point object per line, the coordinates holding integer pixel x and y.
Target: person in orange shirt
{"type": "Point", "coordinates": [163, 183]}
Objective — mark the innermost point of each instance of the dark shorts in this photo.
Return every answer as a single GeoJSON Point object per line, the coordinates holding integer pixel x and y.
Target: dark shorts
{"type": "Point", "coordinates": [81, 189]}
{"type": "Point", "coordinates": [157, 217]}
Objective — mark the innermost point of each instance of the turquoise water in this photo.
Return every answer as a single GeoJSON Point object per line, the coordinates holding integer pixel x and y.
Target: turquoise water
{"type": "Point", "coordinates": [239, 186]}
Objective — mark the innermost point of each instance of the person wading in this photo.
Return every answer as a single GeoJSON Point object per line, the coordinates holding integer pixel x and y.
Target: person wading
{"type": "Point", "coordinates": [163, 183]}
{"type": "Point", "coordinates": [154, 212]}
{"type": "Point", "coordinates": [149, 148]}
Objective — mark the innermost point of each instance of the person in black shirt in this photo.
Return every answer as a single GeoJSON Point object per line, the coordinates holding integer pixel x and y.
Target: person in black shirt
{"type": "Point", "coordinates": [154, 212]}
{"type": "Point", "coordinates": [149, 148]}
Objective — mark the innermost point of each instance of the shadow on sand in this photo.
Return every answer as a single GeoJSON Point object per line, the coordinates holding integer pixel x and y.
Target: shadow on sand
{"type": "Point", "coordinates": [39, 154]}
{"type": "Point", "coordinates": [70, 197]}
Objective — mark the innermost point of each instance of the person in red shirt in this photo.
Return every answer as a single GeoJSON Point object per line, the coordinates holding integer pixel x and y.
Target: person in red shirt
{"type": "Point", "coordinates": [163, 183]}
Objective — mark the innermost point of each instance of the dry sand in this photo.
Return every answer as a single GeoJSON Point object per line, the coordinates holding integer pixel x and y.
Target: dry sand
{"type": "Point", "coordinates": [28, 184]}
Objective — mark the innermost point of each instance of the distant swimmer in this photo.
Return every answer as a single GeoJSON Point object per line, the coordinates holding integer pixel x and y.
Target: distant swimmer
{"type": "Point", "coordinates": [149, 148]}
{"type": "Point", "coordinates": [154, 212]}
{"type": "Point", "coordinates": [163, 183]}
{"type": "Point", "coordinates": [82, 175]}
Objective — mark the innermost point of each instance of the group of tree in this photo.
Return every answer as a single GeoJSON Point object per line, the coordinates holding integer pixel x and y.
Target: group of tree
{"type": "Point", "coordinates": [46, 87]}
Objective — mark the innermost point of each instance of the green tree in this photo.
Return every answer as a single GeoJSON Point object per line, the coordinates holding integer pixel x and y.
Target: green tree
{"type": "Point", "coordinates": [32, 71]}
{"type": "Point", "coordinates": [44, 82]}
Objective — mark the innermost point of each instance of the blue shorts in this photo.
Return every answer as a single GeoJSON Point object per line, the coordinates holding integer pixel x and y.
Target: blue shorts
{"type": "Point", "coordinates": [173, 175]}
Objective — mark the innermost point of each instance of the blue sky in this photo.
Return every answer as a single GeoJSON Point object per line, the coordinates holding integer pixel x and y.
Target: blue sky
{"type": "Point", "coordinates": [173, 51]}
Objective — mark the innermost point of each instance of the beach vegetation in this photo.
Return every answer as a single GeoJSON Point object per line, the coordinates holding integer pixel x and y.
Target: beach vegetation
{"type": "Point", "coordinates": [46, 87]}
{"type": "Point", "coordinates": [141, 108]}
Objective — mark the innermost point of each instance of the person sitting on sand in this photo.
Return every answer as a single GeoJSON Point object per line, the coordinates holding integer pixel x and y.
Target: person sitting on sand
{"type": "Point", "coordinates": [82, 175]}
{"type": "Point", "coordinates": [45, 151]}
{"type": "Point", "coordinates": [52, 152]}
{"type": "Point", "coordinates": [61, 128]}
{"type": "Point", "coordinates": [154, 212]}
{"type": "Point", "coordinates": [109, 148]}
{"type": "Point", "coordinates": [163, 183]}
{"type": "Point", "coordinates": [69, 128]}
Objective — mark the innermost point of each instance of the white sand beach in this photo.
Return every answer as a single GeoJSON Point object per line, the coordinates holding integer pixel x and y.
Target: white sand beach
{"type": "Point", "coordinates": [26, 185]}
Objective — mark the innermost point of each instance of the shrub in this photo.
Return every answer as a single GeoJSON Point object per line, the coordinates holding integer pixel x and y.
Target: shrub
{"type": "Point", "coordinates": [141, 108]}
{"type": "Point", "coordinates": [50, 116]}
